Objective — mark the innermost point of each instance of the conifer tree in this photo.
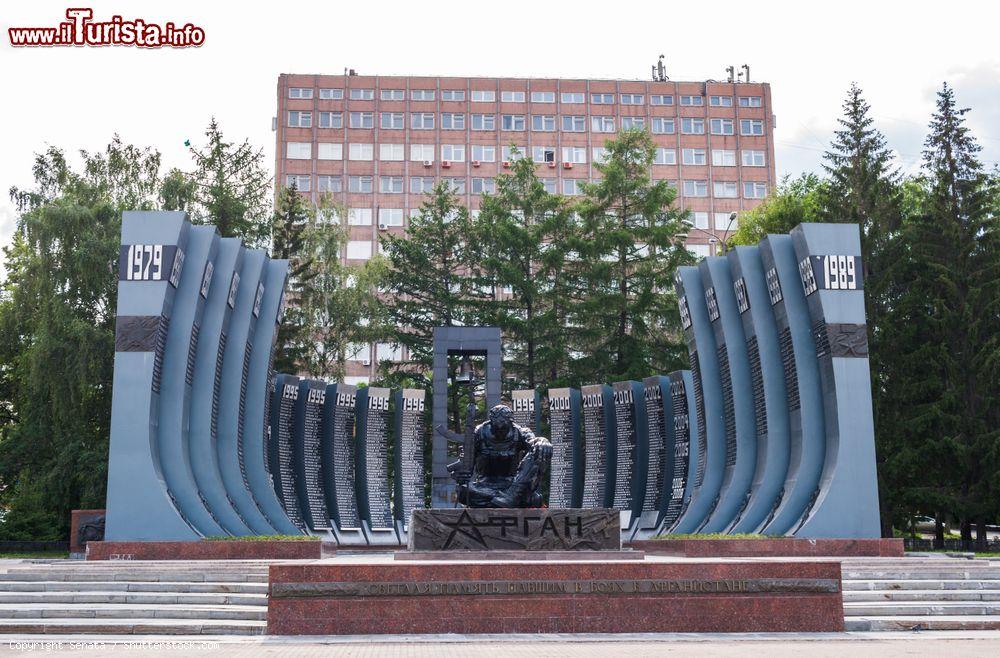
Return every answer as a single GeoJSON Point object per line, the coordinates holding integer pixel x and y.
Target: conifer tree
{"type": "Point", "coordinates": [288, 242]}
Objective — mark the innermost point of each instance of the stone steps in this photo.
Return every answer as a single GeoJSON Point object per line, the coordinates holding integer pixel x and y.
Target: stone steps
{"type": "Point", "coordinates": [128, 611]}
{"type": "Point", "coordinates": [924, 585]}
{"type": "Point", "coordinates": [859, 596]}
{"type": "Point", "coordinates": [923, 623]}
{"type": "Point", "coordinates": [133, 586]}
{"type": "Point", "coordinates": [133, 598]}
{"type": "Point", "coordinates": [132, 626]}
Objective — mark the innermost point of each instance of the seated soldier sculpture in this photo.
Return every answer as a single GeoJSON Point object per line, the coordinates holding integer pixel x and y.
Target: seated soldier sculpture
{"type": "Point", "coordinates": [508, 463]}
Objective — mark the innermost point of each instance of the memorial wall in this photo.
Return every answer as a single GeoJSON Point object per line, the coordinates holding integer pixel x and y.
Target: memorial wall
{"type": "Point", "coordinates": [768, 432]}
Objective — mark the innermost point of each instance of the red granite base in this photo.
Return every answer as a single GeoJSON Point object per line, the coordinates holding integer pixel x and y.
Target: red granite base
{"type": "Point", "coordinates": [778, 547]}
{"type": "Point", "coordinates": [204, 550]}
{"type": "Point", "coordinates": [347, 599]}
{"type": "Point", "coordinates": [76, 517]}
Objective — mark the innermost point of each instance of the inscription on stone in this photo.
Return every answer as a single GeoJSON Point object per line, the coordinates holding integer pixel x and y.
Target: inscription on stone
{"type": "Point", "coordinates": [564, 441]}
{"type": "Point", "coordinates": [682, 448]}
{"type": "Point", "coordinates": [624, 401]}
{"type": "Point", "coordinates": [480, 529]}
{"type": "Point", "coordinates": [376, 454]}
{"type": "Point", "coordinates": [595, 440]}
{"type": "Point", "coordinates": [343, 456]}
{"type": "Point", "coordinates": [286, 469]}
{"type": "Point", "coordinates": [524, 406]}
{"type": "Point", "coordinates": [311, 437]}
{"type": "Point", "coordinates": [657, 431]}
{"type": "Point", "coordinates": [410, 452]}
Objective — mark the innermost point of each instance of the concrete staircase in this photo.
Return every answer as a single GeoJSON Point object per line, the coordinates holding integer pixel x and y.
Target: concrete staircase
{"type": "Point", "coordinates": [917, 593]}
{"type": "Point", "coordinates": [175, 598]}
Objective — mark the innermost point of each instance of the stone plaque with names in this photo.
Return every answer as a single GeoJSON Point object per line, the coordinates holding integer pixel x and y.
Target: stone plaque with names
{"type": "Point", "coordinates": [526, 407]}
{"type": "Point", "coordinates": [682, 448]}
{"type": "Point", "coordinates": [312, 397]}
{"type": "Point", "coordinates": [658, 470]}
{"type": "Point", "coordinates": [565, 471]}
{"type": "Point", "coordinates": [375, 434]}
{"type": "Point", "coordinates": [341, 451]}
{"type": "Point", "coordinates": [284, 479]}
{"type": "Point", "coordinates": [625, 453]}
{"type": "Point", "coordinates": [465, 529]}
{"type": "Point", "coordinates": [409, 452]}
{"type": "Point", "coordinates": [597, 419]}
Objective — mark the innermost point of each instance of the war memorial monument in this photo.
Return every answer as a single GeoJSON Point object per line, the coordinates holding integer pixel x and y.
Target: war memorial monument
{"type": "Point", "coordinates": [534, 513]}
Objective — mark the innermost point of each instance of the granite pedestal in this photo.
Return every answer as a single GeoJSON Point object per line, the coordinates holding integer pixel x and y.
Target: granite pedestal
{"type": "Point", "coordinates": [469, 529]}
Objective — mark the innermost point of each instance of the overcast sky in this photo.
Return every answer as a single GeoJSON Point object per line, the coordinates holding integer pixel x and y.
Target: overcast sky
{"type": "Point", "coordinates": [899, 52]}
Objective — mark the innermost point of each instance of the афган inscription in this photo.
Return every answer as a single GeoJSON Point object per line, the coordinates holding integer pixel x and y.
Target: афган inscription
{"type": "Point", "coordinates": [472, 529]}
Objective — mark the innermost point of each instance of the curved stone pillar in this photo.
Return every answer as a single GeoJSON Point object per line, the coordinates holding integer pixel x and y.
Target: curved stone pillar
{"type": "Point", "coordinates": [598, 424]}
{"type": "Point", "coordinates": [800, 370]}
{"type": "Point", "coordinates": [707, 385]}
{"type": "Point", "coordinates": [768, 389]}
{"type": "Point", "coordinates": [830, 269]}
{"type": "Point", "coordinates": [150, 267]}
{"type": "Point", "coordinates": [374, 423]}
{"type": "Point", "coordinates": [631, 450]}
{"type": "Point", "coordinates": [660, 444]}
{"type": "Point", "coordinates": [408, 457]}
{"type": "Point", "coordinates": [339, 463]}
{"type": "Point", "coordinates": [281, 448]}
{"type": "Point", "coordinates": [566, 473]}
{"type": "Point", "coordinates": [686, 456]}
{"type": "Point", "coordinates": [307, 428]}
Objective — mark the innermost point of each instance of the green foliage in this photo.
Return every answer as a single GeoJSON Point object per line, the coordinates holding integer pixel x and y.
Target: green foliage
{"type": "Point", "coordinates": [288, 241]}
{"type": "Point", "coordinates": [793, 202]}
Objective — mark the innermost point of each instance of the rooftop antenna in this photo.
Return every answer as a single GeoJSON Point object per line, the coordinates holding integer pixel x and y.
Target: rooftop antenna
{"type": "Point", "coordinates": [659, 71]}
{"type": "Point", "coordinates": [746, 69]}
{"type": "Point", "coordinates": [731, 71]}
{"type": "Point", "coordinates": [739, 77]}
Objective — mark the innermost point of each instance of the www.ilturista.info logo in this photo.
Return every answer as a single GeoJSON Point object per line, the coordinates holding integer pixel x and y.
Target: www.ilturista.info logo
{"type": "Point", "coordinates": [82, 30]}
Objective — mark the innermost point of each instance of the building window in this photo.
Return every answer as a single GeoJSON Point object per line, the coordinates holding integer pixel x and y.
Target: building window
{"type": "Point", "coordinates": [602, 124]}
{"type": "Point", "coordinates": [750, 101]}
{"type": "Point", "coordinates": [457, 185]}
{"type": "Point", "coordinates": [512, 122]}
{"type": "Point", "coordinates": [298, 151]}
{"type": "Point", "coordinates": [723, 221]}
{"type": "Point", "coordinates": [599, 154]}
{"type": "Point", "coordinates": [484, 122]}
{"type": "Point", "coordinates": [388, 352]}
{"type": "Point", "coordinates": [665, 157]}
{"type": "Point", "coordinates": [483, 186]}
{"type": "Point", "coordinates": [362, 184]}
{"type": "Point", "coordinates": [452, 121]}
{"type": "Point", "coordinates": [724, 190]}
{"type": "Point", "coordinates": [633, 122]}
{"type": "Point", "coordinates": [362, 94]}
{"type": "Point", "coordinates": [695, 188]}
{"type": "Point", "coordinates": [723, 158]}
{"type": "Point", "coordinates": [512, 96]}
{"type": "Point", "coordinates": [602, 99]}
{"type": "Point", "coordinates": [422, 152]}
{"type": "Point", "coordinates": [359, 216]}
{"type": "Point", "coordinates": [692, 101]}
{"type": "Point", "coordinates": [693, 156]}
{"type": "Point", "coordinates": [358, 352]}
{"type": "Point", "coordinates": [754, 190]}
{"type": "Point", "coordinates": [543, 97]}
{"type": "Point", "coordinates": [391, 152]}
{"type": "Point", "coordinates": [483, 153]}
{"type": "Point", "coordinates": [453, 152]}
{"type": "Point", "coordinates": [541, 154]}
{"type": "Point", "coordinates": [329, 184]}
{"type": "Point", "coordinates": [632, 99]}
{"type": "Point", "coordinates": [571, 187]}
{"type": "Point", "coordinates": [693, 126]}
{"type": "Point", "coordinates": [543, 123]}
{"type": "Point", "coordinates": [300, 119]}
{"type": "Point", "coordinates": [359, 249]}
{"type": "Point", "coordinates": [453, 94]}
{"type": "Point", "coordinates": [331, 120]}
{"type": "Point", "coordinates": [422, 120]}
{"type": "Point", "coordinates": [392, 121]}
{"type": "Point", "coordinates": [421, 184]}
{"type": "Point", "coordinates": [392, 94]}
{"type": "Point", "coordinates": [698, 250]}
{"type": "Point", "coordinates": [574, 124]}
{"type": "Point", "coordinates": [300, 92]}
{"type": "Point", "coordinates": [421, 94]}
{"type": "Point", "coordinates": [574, 154]}
{"type": "Point", "coordinates": [751, 127]}
{"type": "Point", "coordinates": [722, 126]}
{"type": "Point", "coordinates": [484, 96]}
{"type": "Point", "coordinates": [720, 101]}
{"type": "Point", "coordinates": [362, 120]}
{"type": "Point", "coordinates": [390, 216]}
{"type": "Point", "coordinates": [661, 99]}
{"type": "Point", "coordinates": [700, 220]}
{"type": "Point", "coordinates": [331, 94]}
{"type": "Point", "coordinates": [549, 184]}
{"type": "Point", "coordinates": [509, 153]}
{"type": "Point", "coordinates": [301, 182]}
{"type": "Point", "coordinates": [572, 97]}
{"type": "Point", "coordinates": [753, 158]}
{"type": "Point", "coordinates": [391, 184]}
{"type": "Point", "coordinates": [662, 126]}
{"type": "Point", "coordinates": [360, 151]}
{"type": "Point", "coordinates": [328, 151]}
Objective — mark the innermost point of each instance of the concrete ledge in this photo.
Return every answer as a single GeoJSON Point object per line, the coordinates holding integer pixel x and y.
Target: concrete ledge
{"type": "Point", "coordinates": [205, 550]}
{"type": "Point", "coordinates": [777, 547]}
{"type": "Point", "coordinates": [539, 597]}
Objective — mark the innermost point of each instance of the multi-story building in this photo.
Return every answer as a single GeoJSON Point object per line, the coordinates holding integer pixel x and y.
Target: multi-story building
{"type": "Point", "coordinates": [377, 144]}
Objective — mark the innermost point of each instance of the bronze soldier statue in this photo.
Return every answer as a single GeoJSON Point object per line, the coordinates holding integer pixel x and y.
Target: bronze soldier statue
{"type": "Point", "coordinates": [507, 463]}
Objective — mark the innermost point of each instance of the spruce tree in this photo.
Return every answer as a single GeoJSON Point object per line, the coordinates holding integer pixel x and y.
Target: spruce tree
{"type": "Point", "coordinates": [627, 249]}
{"type": "Point", "coordinates": [291, 217]}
